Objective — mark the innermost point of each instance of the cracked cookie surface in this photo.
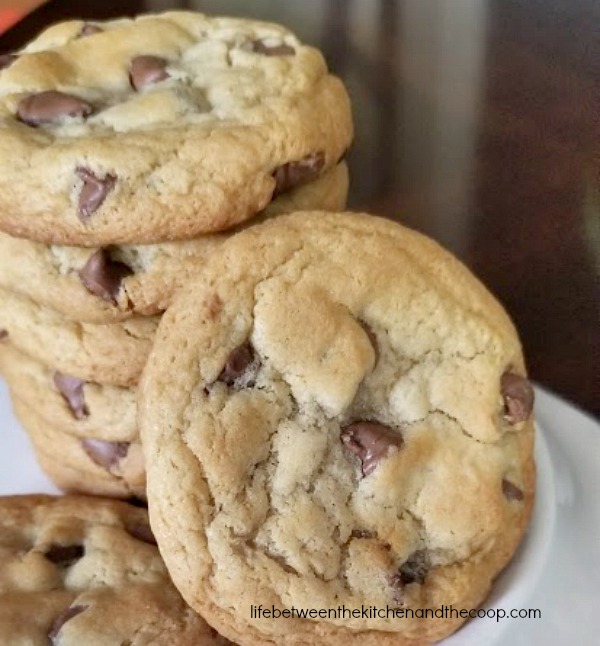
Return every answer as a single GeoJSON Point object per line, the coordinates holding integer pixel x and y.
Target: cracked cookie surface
{"type": "Point", "coordinates": [161, 128]}
{"type": "Point", "coordinates": [78, 570]}
{"type": "Point", "coordinates": [336, 412]}
{"type": "Point", "coordinates": [78, 281]}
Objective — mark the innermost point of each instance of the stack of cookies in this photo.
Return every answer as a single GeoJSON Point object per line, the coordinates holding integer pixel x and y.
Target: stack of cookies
{"type": "Point", "coordinates": [337, 428]}
{"type": "Point", "coordinates": [129, 150]}
{"type": "Point", "coordinates": [332, 414]}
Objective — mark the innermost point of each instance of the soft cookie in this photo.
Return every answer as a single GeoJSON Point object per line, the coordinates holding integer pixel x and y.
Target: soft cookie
{"type": "Point", "coordinates": [77, 570]}
{"type": "Point", "coordinates": [161, 127]}
{"type": "Point", "coordinates": [336, 413]}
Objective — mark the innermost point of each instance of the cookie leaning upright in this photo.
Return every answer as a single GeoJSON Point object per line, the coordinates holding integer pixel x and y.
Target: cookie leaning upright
{"type": "Point", "coordinates": [335, 413]}
{"type": "Point", "coordinates": [161, 128]}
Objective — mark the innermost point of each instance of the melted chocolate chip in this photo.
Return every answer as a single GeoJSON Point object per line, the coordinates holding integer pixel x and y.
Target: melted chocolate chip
{"type": "Point", "coordinates": [62, 619]}
{"type": "Point", "coordinates": [64, 555]}
{"type": "Point", "coordinates": [147, 70]}
{"type": "Point", "coordinates": [511, 491]}
{"type": "Point", "coordinates": [89, 30]}
{"type": "Point", "coordinates": [239, 360]}
{"type": "Point", "coordinates": [71, 388]}
{"type": "Point", "coordinates": [6, 60]}
{"type": "Point", "coordinates": [51, 107]}
{"type": "Point", "coordinates": [296, 173]}
{"type": "Point", "coordinates": [141, 532]}
{"type": "Point", "coordinates": [370, 442]}
{"type": "Point", "coordinates": [3, 335]}
{"type": "Point", "coordinates": [93, 191]}
{"type": "Point", "coordinates": [518, 396]}
{"type": "Point", "coordinates": [105, 454]}
{"type": "Point", "coordinates": [415, 568]}
{"type": "Point", "coordinates": [261, 47]}
{"type": "Point", "coordinates": [103, 276]}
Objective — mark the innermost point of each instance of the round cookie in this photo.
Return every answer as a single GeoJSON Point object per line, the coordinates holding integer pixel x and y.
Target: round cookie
{"type": "Point", "coordinates": [161, 128]}
{"type": "Point", "coordinates": [109, 284]}
{"type": "Point", "coordinates": [75, 406]}
{"type": "Point", "coordinates": [77, 570]}
{"type": "Point", "coordinates": [108, 354]}
{"type": "Point", "coordinates": [335, 413]}
{"type": "Point", "coordinates": [90, 464]}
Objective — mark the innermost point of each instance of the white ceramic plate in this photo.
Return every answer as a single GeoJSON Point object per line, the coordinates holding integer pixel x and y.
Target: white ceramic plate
{"type": "Point", "coordinates": [557, 567]}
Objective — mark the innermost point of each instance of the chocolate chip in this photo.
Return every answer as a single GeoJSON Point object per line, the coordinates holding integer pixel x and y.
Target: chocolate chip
{"type": "Point", "coordinates": [511, 491]}
{"type": "Point", "coordinates": [103, 276]}
{"type": "Point", "coordinates": [237, 364]}
{"type": "Point", "coordinates": [64, 555]}
{"type": "Point", "coordinates": [3, 335]}
{"type": "Point", "coordinates": [71, 388]}
{"type": "Point", "coordinates": [106, 454]}
{"type": "Point", "coordinates": [362, 533]}
{"type": "Point", "coordinates": [89, 30]}
{"type": "Point", "coordinates": [260, 47]}
{"type": "Point", "coordinates": [518, 396]}
{"type": "Point", "coordinates": [296, 173]}
{"type": "Point", "coordinates": [141, 532]}
{"type": "Point", "coordinates": [93, 192]}
{"type": "Point", "coordinates": [147, 70]}
{"type": "Point", "coordinates": [6, 60]}
{"type": "Point", "coordinates": [415, 568]}
{"type": "Point", "coordinates": [370, 442]}
{"type": "Point", "coordinates": [62, 619]}
{"type": "Point", "coordinates": [51, 107]}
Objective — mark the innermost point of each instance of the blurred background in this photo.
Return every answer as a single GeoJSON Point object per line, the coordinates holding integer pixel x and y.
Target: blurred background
{"type": "Point", "coordinates": [477, 122]}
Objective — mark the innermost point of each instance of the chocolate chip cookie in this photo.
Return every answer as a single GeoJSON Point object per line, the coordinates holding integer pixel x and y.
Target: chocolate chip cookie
{"type": "Point", "coordinates": [77, 570]}
{"type": "Point", "coordinates": [336, 412]}
{"type": "Point", "coordinates": [89, 464]}
{"type": "Point", "coordinates": [75, 406]}
{"type": "Point", "coordinates": [161, 128]}
{"type": "Point", "coordinates": [108, 354]}
{"type": "Point", "coordinates": [115, 282]}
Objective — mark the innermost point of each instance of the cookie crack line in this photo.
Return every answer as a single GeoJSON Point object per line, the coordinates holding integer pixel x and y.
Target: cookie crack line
{"type": "Point", "coordinates": [211, 498]}
{"type": "Point", "coordinates": [443, 413]}
{"type": "Point", "coordinates": [444, 287]}
{"type": "Point", "coordinates": [418, 520]}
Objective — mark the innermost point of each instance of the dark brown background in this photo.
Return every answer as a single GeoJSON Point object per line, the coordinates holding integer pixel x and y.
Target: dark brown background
{"type": "Point", "coordinates": [477, 123]}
